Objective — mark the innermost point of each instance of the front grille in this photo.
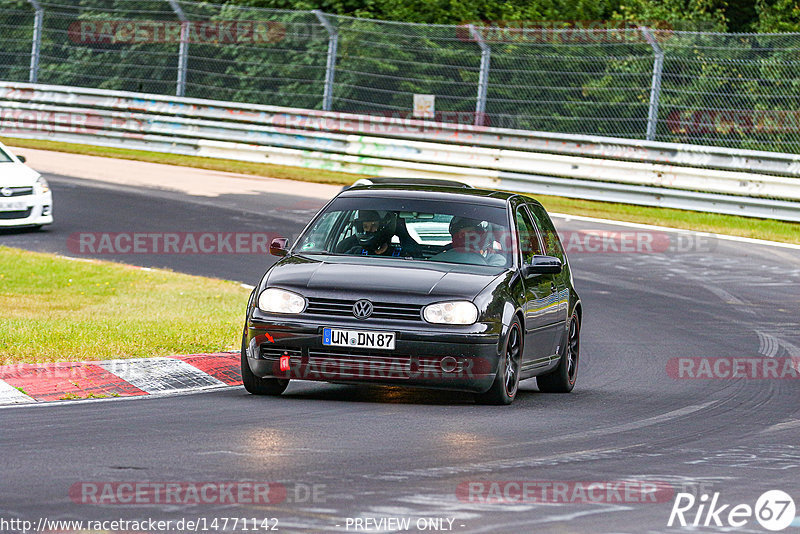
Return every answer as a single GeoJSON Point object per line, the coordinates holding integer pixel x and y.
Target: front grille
{"type": "Point", "coordinates": [19, 192]}
{"type": "Point", "coordinates": [16, 214]}
{"type": "Point", "coordinates": [380, 310]}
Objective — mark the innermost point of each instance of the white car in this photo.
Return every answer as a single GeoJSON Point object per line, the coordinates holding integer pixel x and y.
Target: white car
{"type": "Point", "coordinates": [25, 197]}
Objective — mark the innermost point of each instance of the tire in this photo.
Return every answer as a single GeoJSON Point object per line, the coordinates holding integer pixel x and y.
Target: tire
{"type": "Point", "coordinates": [506, 382]}
{"type": "Point", "coordinates": [256, 385]}
{"type": "Point", "coordinates": [562, 378]}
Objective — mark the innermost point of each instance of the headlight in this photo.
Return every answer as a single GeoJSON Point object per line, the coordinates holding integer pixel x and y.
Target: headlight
{"type": "Point", "coordinates": [274, 300]}
{"type": "Point", "coordinates": [456, 312]}
{"type": "Point", "coordinates": [42, 186]}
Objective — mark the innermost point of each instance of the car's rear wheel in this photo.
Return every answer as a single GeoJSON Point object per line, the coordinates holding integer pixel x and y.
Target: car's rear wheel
{"type": "Point", "coordinates": [562, 378]}
{"type": "Point", "coordinates": [255, 384]}
{"type": "Point", "coordinates": [506, 382]}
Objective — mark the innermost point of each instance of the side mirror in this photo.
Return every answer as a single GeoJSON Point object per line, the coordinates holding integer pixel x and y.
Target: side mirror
{"type": "Point", "coordinates": [279, 246]}
{"type": "Point", "coordinates": [542, 265]}
{"type": "Point", "coordinates": [22, 159]}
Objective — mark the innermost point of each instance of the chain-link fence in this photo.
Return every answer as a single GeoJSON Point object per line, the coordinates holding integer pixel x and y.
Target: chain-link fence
{"type": "Point", "coordinates": [738, 90]}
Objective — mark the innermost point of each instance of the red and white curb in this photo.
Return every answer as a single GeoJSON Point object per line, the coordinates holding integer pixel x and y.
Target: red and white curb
{"type": "Point", "coordinates": [34, 383]}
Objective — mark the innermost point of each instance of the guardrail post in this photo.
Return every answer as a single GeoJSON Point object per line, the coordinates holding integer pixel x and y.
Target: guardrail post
{"type": "Point", "coordinates": [183, 51]}
{"type": "Point", "coordinates": [330, 65]}
{"type": "Point", "coordinates": [38, 22]}
{"type": "Point", "coordinates": [483, 79]}
{"type": "Point", "coordinates": [655, 84]}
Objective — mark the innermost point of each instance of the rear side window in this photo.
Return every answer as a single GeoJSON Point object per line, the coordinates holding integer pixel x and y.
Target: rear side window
{"type": "Point", "coordinates": [552, 243]}
{"type": "Point", "coordinates": [4, 157]}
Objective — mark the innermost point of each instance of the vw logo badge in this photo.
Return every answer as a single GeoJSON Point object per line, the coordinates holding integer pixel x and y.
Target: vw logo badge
{"type": "Point", "coordinates": [6, 191]}
{"type": "Point", "coordinates": [362, 309]}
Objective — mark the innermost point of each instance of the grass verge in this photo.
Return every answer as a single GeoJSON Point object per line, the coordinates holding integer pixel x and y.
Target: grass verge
{"type": "Point", "coordinates": [213, 164]}
{"type": "Point", "coordinates": [691, 220]}
{"type": "Point", "coordinates": [56, 309]}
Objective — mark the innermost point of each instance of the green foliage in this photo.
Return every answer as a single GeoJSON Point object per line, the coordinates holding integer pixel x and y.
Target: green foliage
{"type": "Point", "coordinates": [697, 15]}
{"type": "Point", "coordinates": [777, 16]}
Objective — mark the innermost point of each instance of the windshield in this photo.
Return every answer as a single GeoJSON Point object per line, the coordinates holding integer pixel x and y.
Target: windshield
{"type": "Point", "coordinates": [413, 229]}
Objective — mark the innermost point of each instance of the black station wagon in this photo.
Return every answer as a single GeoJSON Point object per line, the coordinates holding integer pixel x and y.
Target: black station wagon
{"type": "Point", "coordinates": [424, 286]}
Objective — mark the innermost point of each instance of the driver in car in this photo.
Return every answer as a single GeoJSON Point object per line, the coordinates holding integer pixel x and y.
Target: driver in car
{"type": "Point", "coordinates": [471, 243]}
{"type": "Point", "coordinates": [372, 238]}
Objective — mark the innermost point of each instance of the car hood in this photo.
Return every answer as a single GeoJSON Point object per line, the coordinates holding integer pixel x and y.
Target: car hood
{"type": "Point", "coordinates": [13, 174]}
{"type": "Point", "coordinates": [381, 275]}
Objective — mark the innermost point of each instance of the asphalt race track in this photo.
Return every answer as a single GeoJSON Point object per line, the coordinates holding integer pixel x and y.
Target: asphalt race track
{"type": "Point", "coordinates": [378, 453]}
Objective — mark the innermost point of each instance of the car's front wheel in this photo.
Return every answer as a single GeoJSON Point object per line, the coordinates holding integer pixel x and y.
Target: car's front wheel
{"type": "Point", "coordinates": [562, 378]}
{"type": "Point", "coordinates": [506, 382]}
{"type": "Point", "coordinates": [256, 385]}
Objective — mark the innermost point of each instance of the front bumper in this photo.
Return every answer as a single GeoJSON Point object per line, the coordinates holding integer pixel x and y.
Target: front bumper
{"type": "Point", "coordinates": [431, 358]}
{"type": "Point", "coordinates": [38, 212]}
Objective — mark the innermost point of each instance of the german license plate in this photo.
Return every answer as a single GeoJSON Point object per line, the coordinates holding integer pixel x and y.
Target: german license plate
{"type": "Point", "coordinates": [13, 206]}
{"type": "Point", "coordinates": [339, 337]}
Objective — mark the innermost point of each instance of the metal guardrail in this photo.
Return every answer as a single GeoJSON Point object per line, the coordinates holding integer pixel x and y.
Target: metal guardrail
{"type": "Point", "coordinates": [663, 80]}
{"type": "Point", "coordinates": [719, 180]}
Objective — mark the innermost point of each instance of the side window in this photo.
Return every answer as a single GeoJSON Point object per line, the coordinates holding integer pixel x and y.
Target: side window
{"type": "Point", "coordinates": [319, 238]}
{"type": "Point", "coordinates": [527, 236]}
{"type": "Point", "coordinates": [550, 237]}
